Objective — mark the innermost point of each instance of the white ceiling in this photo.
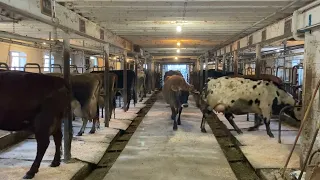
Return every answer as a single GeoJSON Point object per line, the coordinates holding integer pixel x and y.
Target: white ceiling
{"type": "Point", "coordinates": [205, 23]}
{"type": "Point", "coordinates": [152, 23]}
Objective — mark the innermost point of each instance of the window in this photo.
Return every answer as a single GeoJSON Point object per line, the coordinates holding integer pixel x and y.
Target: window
{"type": "Point", "coordinates": [70, 61]}
{"type": "Point", "coordinates": [94, 61]}
{"type": "Point", "coordinates": [46, 63]}
{"type": "Point", "coordinates": [18, 60]}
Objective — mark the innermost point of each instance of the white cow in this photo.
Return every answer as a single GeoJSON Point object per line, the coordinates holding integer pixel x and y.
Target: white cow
{"type": "Point", "coordinates": [234, 95]}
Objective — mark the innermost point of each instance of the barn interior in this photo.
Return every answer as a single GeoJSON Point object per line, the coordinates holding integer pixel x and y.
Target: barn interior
{"type": "Point", "coordinates": [244, 37]}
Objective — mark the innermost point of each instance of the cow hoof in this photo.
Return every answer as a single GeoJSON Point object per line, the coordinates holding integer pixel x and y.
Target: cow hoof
{"type": "Point", "coordinates": [270, 135]}
{"type": "Point", "coordinates": [28, 176]}
{"type": "Point", "coordinates": [54, 164]}
{"type": "Point", "coordinates": [179, 123]}
{"type": "Point", "coordinates": [204, 130]}
{"type": "Point", "coordinates": [79, 134]}
{"type": "Point", "coordinates": [239, 132]}
{"type": "Point", "coordinates": [92, 132]}
{"type": "Point", "coordinates": [252, 129]}
{"type": "Point", "coordinates": [175, 128]}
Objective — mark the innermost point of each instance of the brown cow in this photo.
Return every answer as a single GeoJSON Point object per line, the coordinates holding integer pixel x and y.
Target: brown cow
{"type": "Point", "coordinates": [173, 89]}
{"type": "Point", "coordinates": [34, 102]}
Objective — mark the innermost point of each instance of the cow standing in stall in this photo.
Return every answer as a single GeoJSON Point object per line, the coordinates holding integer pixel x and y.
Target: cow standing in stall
{"type": "Point", "coordinates": [176, 92]}
{"type": "Point", "coordinates": [130, 86]}
{"type": "Point", "coordinates": [112, 82]}
{"type": "Point", "coordinates": [85, 94]}
{"type": "Point", "coordinates": [235, 95]}
{"type": "Point", "coordinates": [34, 102]}
{"type": "Point", "coordinates": [141, 84]}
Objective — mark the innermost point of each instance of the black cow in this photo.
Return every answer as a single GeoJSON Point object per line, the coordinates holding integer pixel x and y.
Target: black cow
{"type": "Point", "coordinates": [35, 102]}
{"type": "Point", "coordinates": [130, 86]}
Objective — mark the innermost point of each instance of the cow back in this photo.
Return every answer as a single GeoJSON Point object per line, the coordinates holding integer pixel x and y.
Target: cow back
{"type": "Point", "coordinates": [23, 93]}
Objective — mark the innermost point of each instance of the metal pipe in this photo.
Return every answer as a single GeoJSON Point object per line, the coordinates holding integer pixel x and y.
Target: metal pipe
{"type": "Point", "coordinates": [279, 128]}
{"type": "Point", "coordinates": [4, 34]}
{"type": "Point", "coordinates": [265, 18]}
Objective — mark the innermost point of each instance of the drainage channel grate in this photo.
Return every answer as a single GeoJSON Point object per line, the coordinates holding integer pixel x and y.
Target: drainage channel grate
{"type": "Point", "coordinates": [230, 147]}
{"type": "Point", "coordinates": [119, 143]}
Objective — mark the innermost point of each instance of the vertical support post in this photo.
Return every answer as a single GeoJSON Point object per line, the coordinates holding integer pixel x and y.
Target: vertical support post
{"type": "Point", "coordinates": [125, 80]}
{"type": "Point", "coordinates": [216, 63]}
{"type": "Point", "coordinates": [50, 52]}
{"type": "Point", "coordinates": [136, 76]}
{"type": "Point", "coordinates": [224, 63]}
{"type": "Point", "coordinates": [201, 74]}
{"type": "Point", "coordinates": [152, 75]}
{"type": "Point", "coordinates": [284, 60]}
{"type": "Point", "coordinates": [258, 60]}
{"type": "Point", "coordinates": [67, 121]}
{"type": "Point", "coordinates": [235, 62]}
{"type": "Point", "coordinates": [107, 97]}
{"type": "Point", "coordinates": [206, 71]}
{"type": "Point", "coordinates": [257, 73]}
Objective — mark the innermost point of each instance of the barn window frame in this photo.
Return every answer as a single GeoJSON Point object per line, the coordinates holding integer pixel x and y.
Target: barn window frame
{"type": "Point", "coordinates": [46, 63]}
{"type": "Point", "coordinates": [18, 60]}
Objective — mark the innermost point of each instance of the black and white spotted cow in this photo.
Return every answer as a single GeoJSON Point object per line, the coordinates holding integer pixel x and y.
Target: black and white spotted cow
{"type": "Point", "coordinates": [234, 95]}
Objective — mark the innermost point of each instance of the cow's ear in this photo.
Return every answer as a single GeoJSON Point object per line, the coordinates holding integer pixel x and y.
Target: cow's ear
{"type": "Point", "coordinates": [174, 88]}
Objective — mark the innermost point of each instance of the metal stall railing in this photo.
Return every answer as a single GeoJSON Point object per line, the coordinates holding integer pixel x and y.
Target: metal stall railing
{"type": "Point", "coordinates": [4, 66]}
{"type": "Point", "coordinates": [32, 65]}
{"type": "Point", "coordinates": [53, 66]}
{"type": "Point", "coordinates": [294, 87]}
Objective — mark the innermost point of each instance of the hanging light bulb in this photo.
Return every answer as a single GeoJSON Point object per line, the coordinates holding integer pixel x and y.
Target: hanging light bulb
{"type": "Point", "coordinates": [178, 50]}
{"type": "Point", "coordinates": [178, 44]}
{"type": "Point", "coordinates": [176, 58]}
{"type": "Point", "coordinates": [179, 28]}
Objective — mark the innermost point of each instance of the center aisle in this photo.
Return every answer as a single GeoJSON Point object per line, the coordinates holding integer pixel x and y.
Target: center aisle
{"type": "Point", "coordinates": [156, 152]}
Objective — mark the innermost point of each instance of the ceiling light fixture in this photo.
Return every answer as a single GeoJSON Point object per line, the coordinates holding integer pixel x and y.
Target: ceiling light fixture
{"type": "Point", "coordinates": [175, 58]}
{"type": "Point", "coordinates": [178, 44]}
{"type": "Point", "coordinates": [178, 50]}
{"type": "Point", "coordinates": [44, 43]}
{"type": "Point", "coordinates": [179, 28]}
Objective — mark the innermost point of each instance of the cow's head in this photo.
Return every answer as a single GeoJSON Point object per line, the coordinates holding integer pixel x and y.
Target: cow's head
{"type": "Point", "coordinates": [183, 98]}
{"type": "Point", "coordinates": [283, 99]}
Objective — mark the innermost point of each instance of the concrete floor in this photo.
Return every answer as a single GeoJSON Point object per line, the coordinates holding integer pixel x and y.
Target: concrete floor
{"type": "Point", "coordinates": [262, 151]}
{"type": "Point", "coordinates": [156, 152]}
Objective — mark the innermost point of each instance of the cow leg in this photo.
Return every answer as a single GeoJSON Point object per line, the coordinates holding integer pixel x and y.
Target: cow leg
{"type": "Point", "coordinates": [93, 128]}
{"type": "Point", "coordinates": [230, 117]}
{"type": "Point", "coordinates": [256, 124]}
{"type": "Point", "coordinates": [83, 127]}
{"type": "Point", "coordinates": [42, 145]}
{"type": "Point", "coordinates": [180, 110]}
{"type": "Point", "coordinates": [203, 124]}
{"type": "Point", "coordinates": [102, 112]}
{"type": "Point", "coordinates": [267, 123]}
{"type": "Point", "coordinates": [57, 137]}
{"type": "Point", "coordinates": [173, 113]}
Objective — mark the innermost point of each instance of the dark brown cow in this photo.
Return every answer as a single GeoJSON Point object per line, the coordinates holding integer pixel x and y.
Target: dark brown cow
{"type": "Point", "coordinates": [34, 102]}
